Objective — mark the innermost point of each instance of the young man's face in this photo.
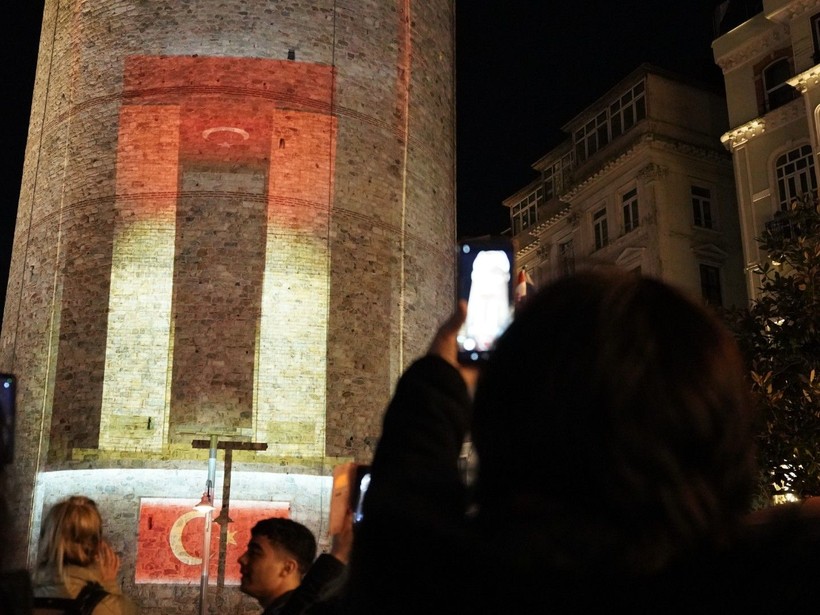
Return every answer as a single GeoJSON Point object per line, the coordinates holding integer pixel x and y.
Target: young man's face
{"type": "Point", "coordinates": [268, 571]}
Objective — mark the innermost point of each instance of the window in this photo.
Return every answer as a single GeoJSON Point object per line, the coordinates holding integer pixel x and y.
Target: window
{"type": "Point", "coordinates": [525, 212]}
{"type": "Point", "coordinates": [566, 252]}
{"type": "Point", "coordinates": [710, 285]}
{"type": "Point", "coordinates": [628, 110]}
{"type": "Point", "coordinates": [556, 176]}
{"type": "Point", "coordinates": [795, 175]}
{"type": "Point", "coordinates": [630, 207]}
{"type": "Point", "coordinates": [815, 34]}
{"type": "Point", "coordinates": [777, 91]}
{"type": "Point", "coordinates": [619, 116]}
{"type": "Point", "coordinates": [702, 206]}
{"type": "Point", "coordinates": [600, 228]}
{"type": "Point", "coordinates": [592, 136]}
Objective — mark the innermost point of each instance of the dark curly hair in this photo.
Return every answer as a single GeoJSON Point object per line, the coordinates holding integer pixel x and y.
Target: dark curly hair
{"type": "Point", "coordinates": [616, 410]}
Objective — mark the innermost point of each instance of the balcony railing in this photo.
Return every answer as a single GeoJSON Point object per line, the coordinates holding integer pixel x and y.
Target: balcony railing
{"type": "Point", "coordinates": [782, 228]}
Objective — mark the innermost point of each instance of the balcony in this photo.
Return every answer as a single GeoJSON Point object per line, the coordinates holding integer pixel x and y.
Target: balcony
{"type": "Point", "coordinates": [548, 214]}
{"type": "Point", "coordinates": [781, 228]}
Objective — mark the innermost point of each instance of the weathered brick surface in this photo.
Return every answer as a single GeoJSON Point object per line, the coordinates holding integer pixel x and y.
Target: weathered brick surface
{"type": "Point", "coordinates": [203, 222]}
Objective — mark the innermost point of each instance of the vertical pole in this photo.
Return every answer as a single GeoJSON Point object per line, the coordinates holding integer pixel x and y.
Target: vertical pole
{"type": "Point", "coordinates": [224, 515]}
{"type": "Point", "coordinates": [206, 547]}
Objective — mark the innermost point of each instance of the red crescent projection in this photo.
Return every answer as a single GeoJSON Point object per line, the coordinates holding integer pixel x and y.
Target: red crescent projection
{"type": "Point", "coordinates": [169, 542]}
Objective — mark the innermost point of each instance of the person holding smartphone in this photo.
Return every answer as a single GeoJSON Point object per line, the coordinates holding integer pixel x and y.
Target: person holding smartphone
{"type": "Point", "coordinates": [615, 469]}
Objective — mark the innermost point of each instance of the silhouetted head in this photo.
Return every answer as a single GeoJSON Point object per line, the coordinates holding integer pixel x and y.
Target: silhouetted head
{"type": "Point", "coordinates": [614, 416]}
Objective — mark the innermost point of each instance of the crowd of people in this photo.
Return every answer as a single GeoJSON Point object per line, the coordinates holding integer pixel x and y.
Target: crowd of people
{"type": "Point", "coordinates": [616, 469]}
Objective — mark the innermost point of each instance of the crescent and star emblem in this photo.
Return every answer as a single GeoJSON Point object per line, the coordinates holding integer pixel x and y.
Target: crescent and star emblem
{"type": "Point", "coordinates": [175, 539]}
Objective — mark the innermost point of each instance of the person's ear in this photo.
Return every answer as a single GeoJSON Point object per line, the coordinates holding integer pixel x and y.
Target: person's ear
{"type": "Point", "coordinates": [290, 567]}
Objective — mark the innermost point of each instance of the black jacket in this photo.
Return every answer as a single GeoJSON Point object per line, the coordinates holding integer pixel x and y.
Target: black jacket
{"type": "Point", "coordinates": [417, 550]}
{"type": "Point", "coordinates": [324, 578]}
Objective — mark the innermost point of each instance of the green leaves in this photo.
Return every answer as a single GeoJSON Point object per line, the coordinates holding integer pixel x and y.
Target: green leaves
{"type": "Point", "coordinates": [779, 334]}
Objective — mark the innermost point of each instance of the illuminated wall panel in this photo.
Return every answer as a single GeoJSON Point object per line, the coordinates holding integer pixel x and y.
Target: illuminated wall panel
{"type": "Point", "coordinates": [220, 259]}
{"type": "Point", "coordinates": [248, 188]}
{"type": "Point", "coordinates": [291, 355]}
{"type": "Point", "coordinates": [135, 390]}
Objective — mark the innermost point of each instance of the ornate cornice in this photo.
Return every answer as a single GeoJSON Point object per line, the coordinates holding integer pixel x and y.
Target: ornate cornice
{"type": "Point", "coordinates": [652, 171]}
{"type": "Point", "coordinates": [527, 248]}
{"type": "Point", "coordinates": [794, 9]}
{"type": "Point", "coordinates": [704, 153]}
{"type": "Point", "coordinates": [605, 168]}
{"type": "Point", "coordinates": [805, 80]}
{"type": "Point", "coordinates": [754, 48]}
{"type": "Point", "coordinates": [554, 218]}
{"type": "Point", "coordinates": [565, 213]}
{"type": "Point", "coordinates": [772, 121]}
{"type": "Point", "coordinates": [743, 133]}
{"type": "Point", "coordinates": [647, 139]}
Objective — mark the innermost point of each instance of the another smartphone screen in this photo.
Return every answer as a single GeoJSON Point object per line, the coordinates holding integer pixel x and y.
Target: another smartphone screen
{"type": "Point", "coordinates": [7, 416]}
{"type": "Point", "coordinates": [360, 485]}
{"type": "Point", "coordinates": [485, 271]}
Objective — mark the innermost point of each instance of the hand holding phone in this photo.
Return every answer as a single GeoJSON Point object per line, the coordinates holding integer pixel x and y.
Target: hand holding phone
{"type": "Point", "coordinates": [485, 281]}
{"type": "Point", "coordinates": [350, 483]}
{"type": "Point", "coordinates": [444, 345]}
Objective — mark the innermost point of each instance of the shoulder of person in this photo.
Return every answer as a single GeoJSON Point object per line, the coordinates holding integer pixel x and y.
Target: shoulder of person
{"type": "Point", "coordinates": [326, 562]}
{"type": "Point", "coordinates": [778, 555]}
{"type": "Point", "coordinates": [116, 604]}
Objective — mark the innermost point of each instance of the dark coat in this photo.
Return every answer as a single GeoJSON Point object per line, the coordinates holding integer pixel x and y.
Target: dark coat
{"type": "Point", "coordinates": [324, 578]}
{"type": "Point", "coordinates": [418, 550]}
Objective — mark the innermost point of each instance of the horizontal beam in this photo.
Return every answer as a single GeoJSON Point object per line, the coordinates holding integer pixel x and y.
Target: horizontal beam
{"type": "Point", "coordinates": [228, 444]}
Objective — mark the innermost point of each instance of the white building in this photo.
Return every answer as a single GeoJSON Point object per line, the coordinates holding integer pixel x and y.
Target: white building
{"type": "Point", "coordinates": [771, 70]}
{"type": "Point", "coordinates": [641, 182]}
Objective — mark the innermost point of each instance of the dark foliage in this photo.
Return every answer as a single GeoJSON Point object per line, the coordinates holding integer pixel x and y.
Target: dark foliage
{"type": "Point", "coordinates": [780, 335]}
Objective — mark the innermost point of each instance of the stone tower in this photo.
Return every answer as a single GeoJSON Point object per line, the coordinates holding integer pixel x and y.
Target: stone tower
{"type": "Point", "coordinates": [236, 220]}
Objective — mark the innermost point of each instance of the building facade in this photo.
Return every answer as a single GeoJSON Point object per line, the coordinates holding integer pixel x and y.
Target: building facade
{"type": "Point", "coordinates": [771, 66]}
{"type": "Point", "coordinates": [641, 182]}
{"type": "Point", "coordinates": [237, 221]}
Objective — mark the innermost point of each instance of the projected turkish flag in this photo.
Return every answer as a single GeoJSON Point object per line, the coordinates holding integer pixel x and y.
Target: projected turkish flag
{"type": "Point", "coordinates": [171, 537]}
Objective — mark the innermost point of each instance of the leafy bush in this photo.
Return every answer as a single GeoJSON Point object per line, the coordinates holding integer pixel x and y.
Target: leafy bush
{"type": "Point", "coordinates": [779, 335]}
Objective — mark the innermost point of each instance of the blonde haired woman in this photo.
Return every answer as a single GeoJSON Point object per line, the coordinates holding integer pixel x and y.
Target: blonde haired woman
{"type": "Point", "coordinates": [72, 553]}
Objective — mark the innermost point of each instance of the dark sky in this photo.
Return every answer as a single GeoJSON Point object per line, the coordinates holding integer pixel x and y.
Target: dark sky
{"type": "Point", "coordinates": [527, 67]}
{"type": "Point", "coordinates": [524, 68]}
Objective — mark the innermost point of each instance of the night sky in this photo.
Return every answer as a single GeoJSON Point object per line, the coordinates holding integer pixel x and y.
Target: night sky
{"type": "Point", "coordinates": [524, 72]}
{"type": "Point", "coordinates": [524, 69]}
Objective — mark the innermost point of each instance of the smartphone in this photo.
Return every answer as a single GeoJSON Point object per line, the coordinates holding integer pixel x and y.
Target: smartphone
{"type": "Point", "coordinates": [350, 483]}
{"type": "Point", "coordinates": [361, 482]}
{"type": "Point", "coordinates": [7, 415]}
{"type": "Point", "coordinates": [485, 280]}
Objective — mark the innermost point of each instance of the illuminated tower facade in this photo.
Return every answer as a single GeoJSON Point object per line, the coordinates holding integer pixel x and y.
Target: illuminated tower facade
{"type": "Point", "coordinates": [236, 220]}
